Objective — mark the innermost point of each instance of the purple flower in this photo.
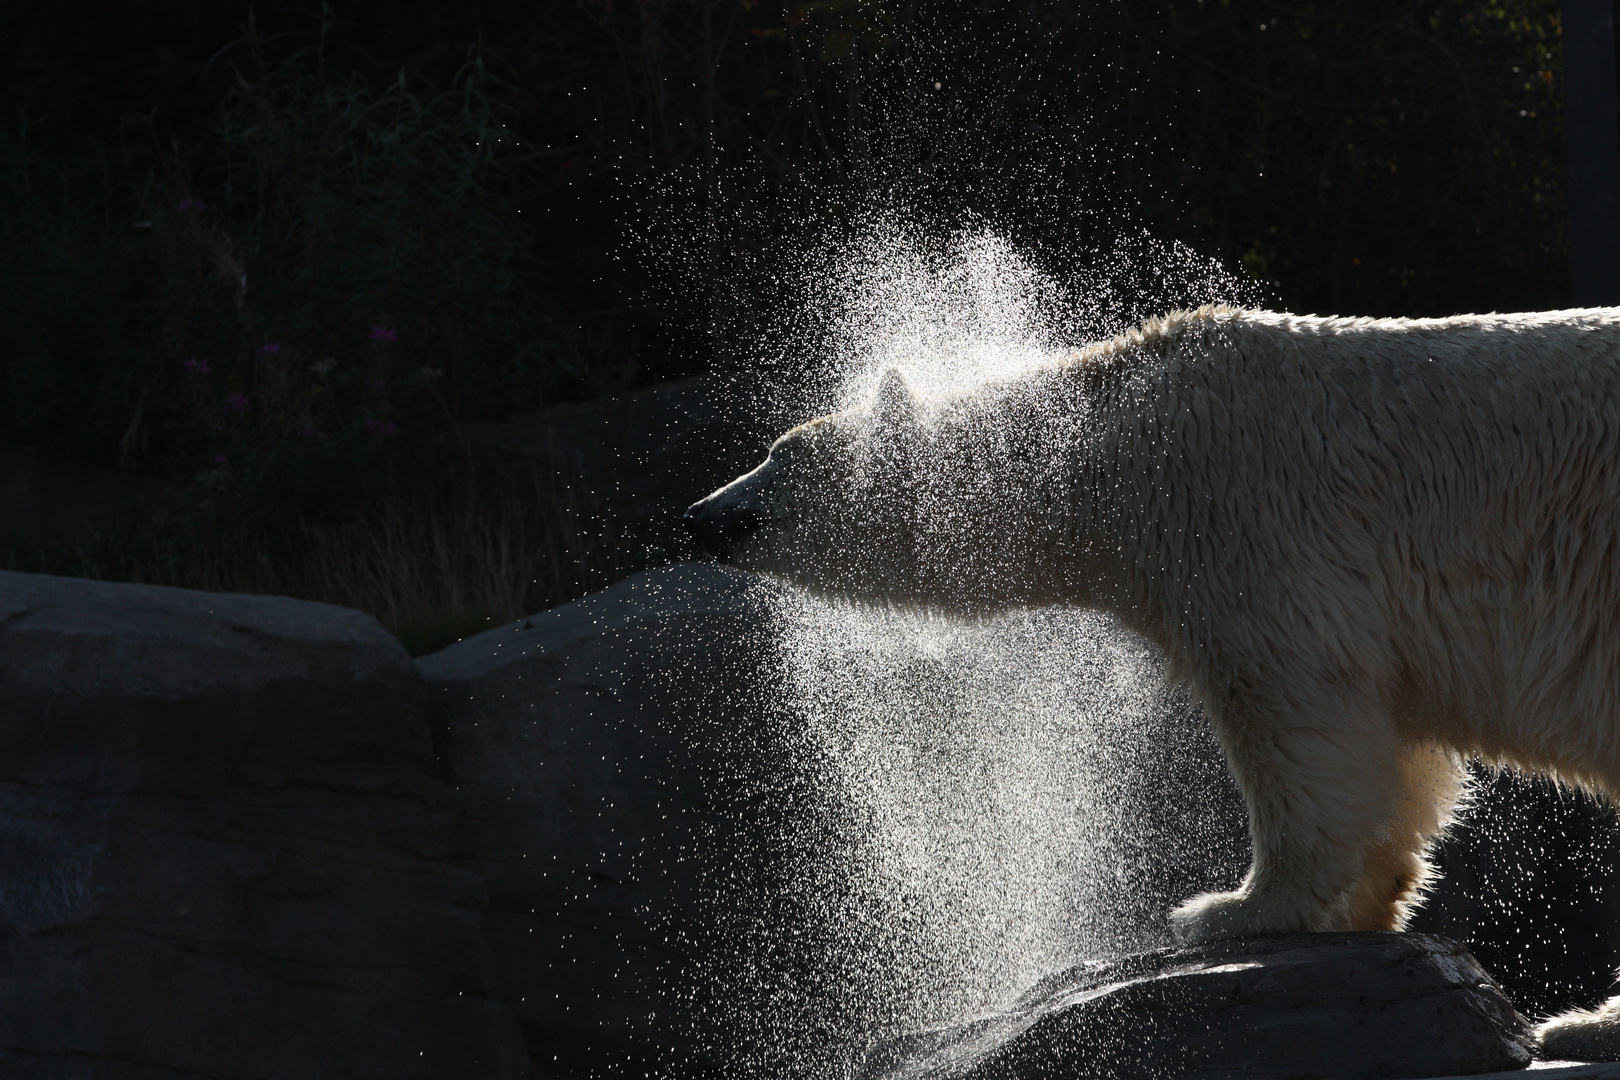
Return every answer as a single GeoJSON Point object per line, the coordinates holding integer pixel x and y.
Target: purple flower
{"type": "Point", "coordinates": [196, 367]}
{"type": "Point", "coordinates": [221, 461]}
{"type": "Point", "coordinates": [384, 333]}
{"type": "Point", "coordinates": [269, 348]}
{"type": "Point", "coordinates": [238, 403]}
{"type": "Point", "coordinates": [381, 427]}
{"type": "Point", "coordinates": [192, 204]}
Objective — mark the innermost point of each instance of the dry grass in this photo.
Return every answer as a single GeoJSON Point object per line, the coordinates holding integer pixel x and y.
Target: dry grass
{"type": "Point", "coordinates": [432, 577]}
{"type": "Point", "coordinates": [432, 569]}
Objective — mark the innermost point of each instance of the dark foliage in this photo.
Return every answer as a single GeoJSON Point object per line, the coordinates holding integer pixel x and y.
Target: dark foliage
{"type": "Point", "coordinates": [548, 203]}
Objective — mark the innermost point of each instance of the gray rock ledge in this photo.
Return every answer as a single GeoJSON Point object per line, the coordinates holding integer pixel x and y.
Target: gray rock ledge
{"type": "Point", "coordinates": [1285, 1008]}
{"type": "Point", "coordinates": [225, 848]}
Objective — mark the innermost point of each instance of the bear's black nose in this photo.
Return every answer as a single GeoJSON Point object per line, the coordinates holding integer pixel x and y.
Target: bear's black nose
{"type": "Point", "coordinates": [719, 529]}
{"type": "Point", "coordinates": [705, 529]}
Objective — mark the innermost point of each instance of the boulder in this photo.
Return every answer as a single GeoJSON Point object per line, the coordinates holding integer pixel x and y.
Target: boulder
{"type": "Point", "coordinates": [613, 759]}
{"type": "Point", "coordinates": [1314, 1006]}
{"type": "Point", "coordinates": [730, 831]}
{"type": "Point", "coordinates": [692, 826]}
{"type": "Point", "coordinates": [226, 846]}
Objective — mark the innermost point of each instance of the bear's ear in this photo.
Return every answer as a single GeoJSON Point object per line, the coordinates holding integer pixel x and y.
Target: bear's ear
{"type": "Point", "coordinates": [894, 406]}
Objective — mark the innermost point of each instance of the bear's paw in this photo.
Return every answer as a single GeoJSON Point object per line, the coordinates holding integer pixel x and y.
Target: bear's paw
{"type": "Point", "coordinates": [1583, 1034]}
{"type": "Point", "coordinates": [1244, 913]}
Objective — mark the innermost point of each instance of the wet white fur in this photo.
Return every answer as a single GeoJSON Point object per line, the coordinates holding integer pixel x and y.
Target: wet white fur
{"type": "Point", "coordinates": [1375, 547]}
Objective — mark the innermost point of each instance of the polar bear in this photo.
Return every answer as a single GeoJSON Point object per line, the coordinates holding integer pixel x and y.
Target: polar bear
{"type": "Point", "coordinates": [1376, 548]}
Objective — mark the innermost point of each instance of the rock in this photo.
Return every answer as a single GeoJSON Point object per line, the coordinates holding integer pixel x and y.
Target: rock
{"type": "Point", "coordinates": [1286, 1008]}
{"type": "Point", "coordinates": [225, 849]}
{"type": "Point", "coordinates": [714, 847]}
{"type": "Point", "coordinates": [1553, 1071]}
{"type": "Point", "coordinates": [608, 752]}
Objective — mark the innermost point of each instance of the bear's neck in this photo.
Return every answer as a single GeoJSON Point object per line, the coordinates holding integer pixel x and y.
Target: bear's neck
{"type": "Point", "coordinates": [1045, 489]}
{"type": "Point", "coordinates": [1144, 486]}
{"type": "Point", "coordinates": [998, 508]}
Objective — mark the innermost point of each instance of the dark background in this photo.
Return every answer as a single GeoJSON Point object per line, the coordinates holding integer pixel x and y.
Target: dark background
{"type": "Point", "coordinates": [288, 259]}
{"type": "Point", "coordinates": [1356, 158]}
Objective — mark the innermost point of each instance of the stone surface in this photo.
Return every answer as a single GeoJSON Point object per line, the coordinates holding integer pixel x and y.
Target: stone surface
{"type": "Point", "coordinates": [680, 873]}
{"type": "Point", "coordinates": [1289, 1008]}
{"type": "Point", "coordinates": [1552, 1070]}
{"type": "Point", "coordinates": [225, 849]}
{"type": "Point", "coordinates": [612, 757]}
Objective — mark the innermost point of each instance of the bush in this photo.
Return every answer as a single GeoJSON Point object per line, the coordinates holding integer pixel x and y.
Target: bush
{"type": "Point", "coordinates": [295, 310]}
{"type": "Point", "coordinates": [76, 323]}
{"type": "Point", "coordinates": [456, 551]}
{"type": "Point", "coordinates": [334, 265]}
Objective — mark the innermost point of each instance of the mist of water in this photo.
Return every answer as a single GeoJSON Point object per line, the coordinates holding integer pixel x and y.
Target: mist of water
{"type": "Point", "coordinates": [989, 802]}
{"type": "Point", "coordinates": [953, 311]}
{"type": "Point", "coordinates": [1017, 795]}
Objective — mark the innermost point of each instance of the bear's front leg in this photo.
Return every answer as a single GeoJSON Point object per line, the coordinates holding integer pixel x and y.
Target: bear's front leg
{"type": "Point", "coordinates": [1323, 791]}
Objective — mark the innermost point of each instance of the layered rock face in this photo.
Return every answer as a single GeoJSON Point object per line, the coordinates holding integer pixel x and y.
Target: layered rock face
{"type": "Point", "coordinates": [615, 759]}
{"type": "Point", "coordinates": [1377, 1006]}
{"type": "Point", "coordinates": [248, 837]}
{"type": "Point", "coordinates": [225, 850]}
{"type": "Point", "coordinates": [228, 847]}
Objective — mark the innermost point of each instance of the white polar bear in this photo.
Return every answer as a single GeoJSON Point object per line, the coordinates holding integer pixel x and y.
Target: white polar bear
{"type": "Point", "coordinates": [1376, 548]}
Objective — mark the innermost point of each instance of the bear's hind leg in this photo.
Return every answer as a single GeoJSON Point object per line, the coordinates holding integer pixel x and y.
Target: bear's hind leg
{"type": "Point", "coordinates": [1321, 789]}
{"type": "Point", "coordinates": [1583, 1034]}
{"type": "Point", "coordinates": [1395, 871]}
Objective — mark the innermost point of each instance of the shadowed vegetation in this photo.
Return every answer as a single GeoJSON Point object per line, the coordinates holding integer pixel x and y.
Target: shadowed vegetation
{"type": "Point", "coordinates": [286, 262]}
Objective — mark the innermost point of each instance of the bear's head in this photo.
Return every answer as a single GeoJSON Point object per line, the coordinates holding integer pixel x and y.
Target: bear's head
{"type": "Point", "coordinates": [834, 507]}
